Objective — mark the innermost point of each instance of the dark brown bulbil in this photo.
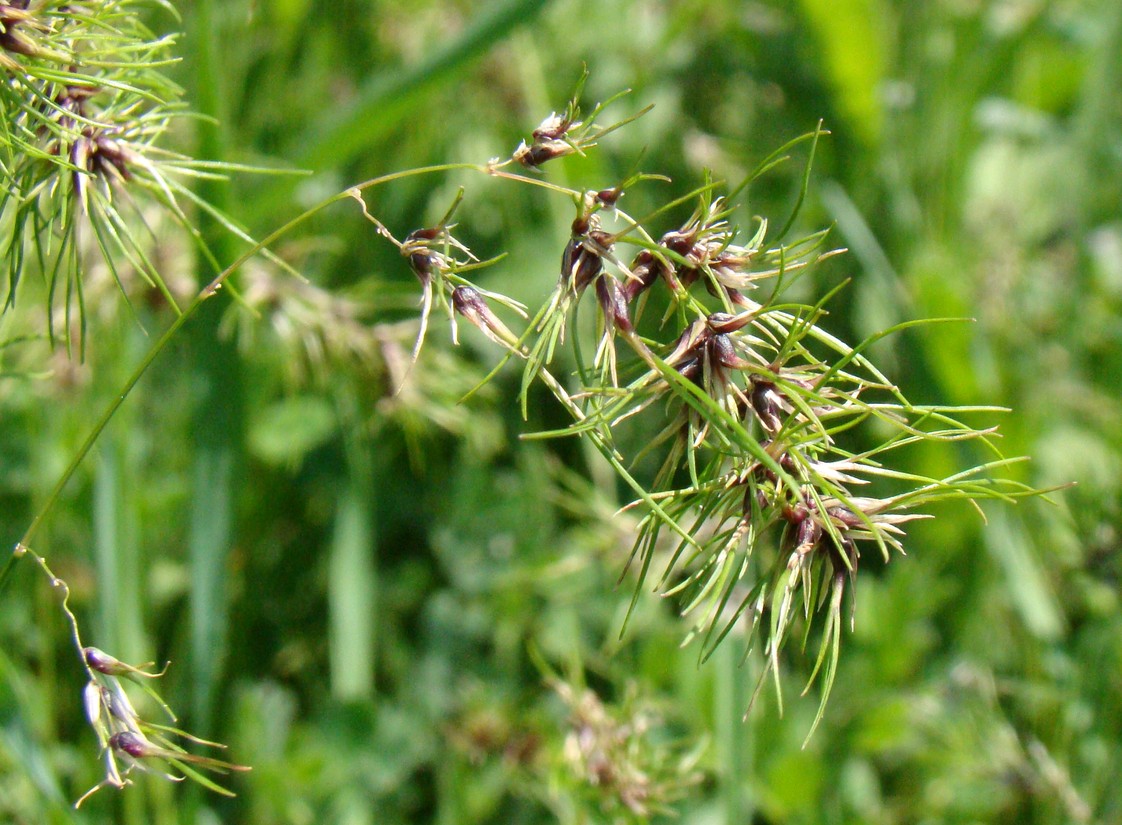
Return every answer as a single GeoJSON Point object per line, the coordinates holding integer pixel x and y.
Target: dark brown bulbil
{"type": "Point", "coordinates": [73, 101]}
{"type": "Point", "coordinates": [95, 150]}
{"type": "Point", "coordinates": [423, 265]}
{"type": "Point", "coordinates": [422, 260]}
{"type": "Point", "coordinates": [678, 242]}
{"type": "Point", "coordinates": [645, 270]}
{"type": "Point", "coordinates": [11, 16]}
{"type": "Point", "coordinates": [609, 197]}
{"type": "Point", "coordinates": [108, 155]}
{"type": "Point", "coordinates": [724, 323]}
{"type": "Point", "coordinates": [98, 154]}
{"type": "Point", "coordinates": [723, 353]}
{"type": "Point", "coordinates": [553, 128]}
{"type": "Point", "coordinates": [613, 303]}
{"type": "Point", "coordinates": [468, 302]}
{"type": "Point", "coordinates": [649, 266]}
{"type": "Point", "coordinates": [689, 350]}
{"type": "Point", "coordinates": [430, 233]}
{"type": "Point", "coordinates": [101, 661]}
{"type": "Point", "coordinates": [807, 535]}
{"type": "Point", "coordinates": [765, 403]}
{"type": "Point", "coordinates": [583, 258]}
{"type": "Point", "coordinates": [708, 343]}
{"type": "Point", "coordinates": [844, 516]}
{"type": "Point", "coordinates": [550, 141]}
{"type": "Point", "coordinates": [844, 559]}
{"type": "Point", "coordinates": [590, 262]}
{"type": "Point", "coordinates": [534, 156]}
{"type": "Point", "coordinates": [129, 743]}
{"type": "Point", "coordinates": [680, 276]}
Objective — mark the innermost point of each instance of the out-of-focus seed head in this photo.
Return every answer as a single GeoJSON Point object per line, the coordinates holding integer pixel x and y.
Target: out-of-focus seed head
{"type": "Point", "coordinates": [73, 98]}
{"type": "Point", "coordinates": [11, 40]}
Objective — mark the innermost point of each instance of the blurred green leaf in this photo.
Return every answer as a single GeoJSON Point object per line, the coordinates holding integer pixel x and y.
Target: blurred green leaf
{"type": "Point", "coordinates": [287, 430]}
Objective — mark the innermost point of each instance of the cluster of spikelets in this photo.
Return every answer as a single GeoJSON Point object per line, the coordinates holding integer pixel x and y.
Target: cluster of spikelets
{"type": "Point", "coordinates": [752, 508]}
{"type": "Point", "coordinates": [128, 740]}
{"type": "Point", "coordinates": [84, 101]}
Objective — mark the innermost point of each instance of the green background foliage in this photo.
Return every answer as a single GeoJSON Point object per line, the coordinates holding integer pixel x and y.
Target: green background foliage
{"type": "Point", "coordinates": [390, 606]}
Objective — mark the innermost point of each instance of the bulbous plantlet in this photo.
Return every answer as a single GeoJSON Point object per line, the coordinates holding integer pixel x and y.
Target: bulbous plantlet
{"type": "Point", "coordinates": [613, 303]}
{"type": "Point", "coordinates": [470, 303]}
{"type": "Point", "coordinates": [100, 661]}
{"type": "Point", "coordinates": [131, 744]}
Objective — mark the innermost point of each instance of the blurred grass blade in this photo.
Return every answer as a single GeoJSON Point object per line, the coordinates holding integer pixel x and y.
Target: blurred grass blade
{"type": "Point", "coordinates": [210, 538]}
{"type": "Point", "coordinates": [351, 593]}
{"type": "Point", "coordinates": [385, 100]}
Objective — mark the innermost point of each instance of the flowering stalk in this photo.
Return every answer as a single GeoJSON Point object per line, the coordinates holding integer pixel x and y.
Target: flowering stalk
{"type": "Point", "coordinates": [753, 400]}
{"type": "Point", "coordinates": [125, 737]}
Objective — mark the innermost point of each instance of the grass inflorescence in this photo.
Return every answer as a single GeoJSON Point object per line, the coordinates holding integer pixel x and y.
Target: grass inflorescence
{"type": "Point", "coordinates": [752, 501]}
{"type": "Point", "coordinates": [756, 513]}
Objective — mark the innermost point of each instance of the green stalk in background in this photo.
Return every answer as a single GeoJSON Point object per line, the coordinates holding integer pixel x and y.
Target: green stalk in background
{"type": "Point", "coordinates": [219, 416]}
{"type": "Point", "coordinates": [735, 734]}
{"type": "Point", "coordinates": [352, 574]}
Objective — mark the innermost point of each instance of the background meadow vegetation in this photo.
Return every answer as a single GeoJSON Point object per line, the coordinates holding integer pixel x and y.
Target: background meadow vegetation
{"type": "Point", "coordinates": [397, 611]}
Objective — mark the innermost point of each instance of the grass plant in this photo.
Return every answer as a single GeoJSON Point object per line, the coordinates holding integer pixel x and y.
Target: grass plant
{"type": "Point", "coordinates": [685, 347]}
